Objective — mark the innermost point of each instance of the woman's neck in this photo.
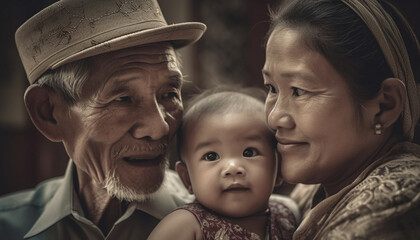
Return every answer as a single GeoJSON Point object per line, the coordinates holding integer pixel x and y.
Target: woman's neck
{"type": "Point", "coordinates": [331, 188]}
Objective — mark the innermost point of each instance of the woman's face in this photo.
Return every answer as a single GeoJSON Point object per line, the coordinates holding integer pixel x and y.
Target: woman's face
{"type": "Point", "coordinates": [309, 105]}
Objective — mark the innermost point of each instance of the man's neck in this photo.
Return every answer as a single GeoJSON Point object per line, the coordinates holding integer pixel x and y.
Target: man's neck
{"type": "Point", "coordinates": [97, 205]}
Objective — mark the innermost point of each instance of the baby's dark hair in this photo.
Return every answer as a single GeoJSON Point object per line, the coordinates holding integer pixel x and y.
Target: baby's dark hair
{"type": "Point", "coordinates": [220, 100]}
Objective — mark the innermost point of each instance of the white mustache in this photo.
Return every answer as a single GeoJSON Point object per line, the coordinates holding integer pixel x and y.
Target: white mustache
{"type": "Point", "coordinates": [156, 147]}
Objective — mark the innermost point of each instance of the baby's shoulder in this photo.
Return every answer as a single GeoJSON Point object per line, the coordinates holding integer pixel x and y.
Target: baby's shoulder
{"type": "Point", "coordinates": [283, 221]}
{"type": "Point", "coordinates": [181, 217]}
{"type": "Point", "coordinates": [173, 226]}
{"type": "Point", "coordinates": [284, 206]}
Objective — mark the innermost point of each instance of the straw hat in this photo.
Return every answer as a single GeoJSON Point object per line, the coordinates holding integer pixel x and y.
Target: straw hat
{"type": "Point", "coordinates": [70, 30]}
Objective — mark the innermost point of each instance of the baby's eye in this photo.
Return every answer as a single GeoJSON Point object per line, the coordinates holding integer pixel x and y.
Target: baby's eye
{"type": "Point", "coordinates": [211, 156]}
{"type": "Point", "coordinates": [250, 152]}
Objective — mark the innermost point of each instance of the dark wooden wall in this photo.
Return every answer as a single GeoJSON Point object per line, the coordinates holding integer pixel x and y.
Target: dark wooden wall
{"type": "Point", "coordinates": [231, 51]}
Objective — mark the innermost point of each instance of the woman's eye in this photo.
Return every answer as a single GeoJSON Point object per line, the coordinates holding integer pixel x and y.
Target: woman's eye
{"type": "Point", "coordinates": [270, 88]}
{"type": "Point", "coordinates": [211, 156]}
{"type": "Point", "coordinates": [250, 152]}
{"type": "Point", "coordinates": [298, 92]}
{"type": "Point", "coordinates": [123, 99]}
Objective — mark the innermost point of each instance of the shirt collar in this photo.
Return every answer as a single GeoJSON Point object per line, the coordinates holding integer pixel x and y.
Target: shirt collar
{"type": "Point", "coordinates": [65, 201]}
{"type": "Point", "coordinates": [59, 206]}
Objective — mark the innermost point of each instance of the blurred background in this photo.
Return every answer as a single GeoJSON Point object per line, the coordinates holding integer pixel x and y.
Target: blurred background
{"type": "Point", "coordinates": [231, 51]}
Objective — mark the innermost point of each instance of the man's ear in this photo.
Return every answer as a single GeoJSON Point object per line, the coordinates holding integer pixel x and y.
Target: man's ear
{"type": "Point", "coordinates": [41, 103]}
{"type": "Point", "coordinates": [182, 171]}
{"type": "Point", "coordinates": [391, 99]}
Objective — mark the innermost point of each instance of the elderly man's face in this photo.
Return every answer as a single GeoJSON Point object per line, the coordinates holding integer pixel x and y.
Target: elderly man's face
{"type": "Point", "coordinates": [129, 111]}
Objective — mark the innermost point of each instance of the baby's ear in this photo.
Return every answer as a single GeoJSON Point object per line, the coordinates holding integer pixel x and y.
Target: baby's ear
{"type": "Point", "coordinates": [279, 180]}
{"type": "Point", "coordinates": [182, 171]}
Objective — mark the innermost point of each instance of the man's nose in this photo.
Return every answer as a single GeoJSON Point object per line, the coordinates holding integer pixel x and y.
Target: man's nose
{"type": "Point", "coordinates": [151, 123]}
{"type": "Point", "coordinates": [233, 168]}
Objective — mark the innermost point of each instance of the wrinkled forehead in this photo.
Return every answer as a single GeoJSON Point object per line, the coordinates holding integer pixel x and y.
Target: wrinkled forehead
{"type": "Point", "coordinates": [157, 61]}
{"type": "Point", "coordinates": [150, 54]}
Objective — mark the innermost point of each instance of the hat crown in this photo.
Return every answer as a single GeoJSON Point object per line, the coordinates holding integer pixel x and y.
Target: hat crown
{"type": "Point", "coordinates": [59, 33]}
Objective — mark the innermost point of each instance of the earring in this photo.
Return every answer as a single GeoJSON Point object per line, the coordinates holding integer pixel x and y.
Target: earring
{"type": "Point", "coordinates": [378, 129]}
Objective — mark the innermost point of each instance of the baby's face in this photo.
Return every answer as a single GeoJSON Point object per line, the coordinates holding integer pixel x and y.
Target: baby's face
{"type": "Point", "coordinates": [231, 162]}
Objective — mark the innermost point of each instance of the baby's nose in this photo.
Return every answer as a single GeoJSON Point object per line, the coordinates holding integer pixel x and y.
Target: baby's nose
{"type": "Point", "coordinates": [233, 168]}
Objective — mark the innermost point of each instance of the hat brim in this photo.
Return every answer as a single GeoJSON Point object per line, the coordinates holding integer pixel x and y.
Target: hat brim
{"type": "Point", "coordinates": [180, 35]}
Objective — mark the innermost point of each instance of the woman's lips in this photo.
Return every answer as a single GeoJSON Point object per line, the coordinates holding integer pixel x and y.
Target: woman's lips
{"type": "Point", "coordinates": [283, 146]}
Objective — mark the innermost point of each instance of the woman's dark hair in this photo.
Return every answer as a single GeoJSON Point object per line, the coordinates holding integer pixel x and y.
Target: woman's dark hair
{"type": "Point", "coordinates": [333, 29]}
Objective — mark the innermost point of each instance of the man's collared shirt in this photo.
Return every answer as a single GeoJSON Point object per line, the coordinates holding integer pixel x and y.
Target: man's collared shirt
{"type": "Point", "coordinates": [53, 211]}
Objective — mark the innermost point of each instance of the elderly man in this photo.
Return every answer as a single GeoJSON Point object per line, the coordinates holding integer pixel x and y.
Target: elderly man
{"type": "Point", "coordinates": [106, 82]}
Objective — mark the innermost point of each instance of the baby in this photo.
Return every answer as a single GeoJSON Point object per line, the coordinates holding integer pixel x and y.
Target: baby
{"type": "Point", "coordinates": [229, 162]}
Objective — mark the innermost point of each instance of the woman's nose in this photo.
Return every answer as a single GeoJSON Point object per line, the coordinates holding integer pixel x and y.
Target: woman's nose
{"type": "Point", "coordinates": [279, 118]}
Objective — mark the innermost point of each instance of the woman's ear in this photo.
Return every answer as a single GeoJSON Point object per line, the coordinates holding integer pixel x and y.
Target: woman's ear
{"type": "Point", "coordinates": [391, 100]}
{"type": "Point", "coordinates": [182, 171]}
{"type": "Point", "coordinates": [41, 103]}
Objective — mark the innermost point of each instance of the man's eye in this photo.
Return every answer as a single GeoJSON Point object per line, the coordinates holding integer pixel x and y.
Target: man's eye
{"type": "Point", "coordinates": [298, 92]}
{"type": "Point", "coordinates": [123, 99]}
{"type": "Point", "coordinates": [270, 88]}
{"type": "Point", "coordinates": [250, 152]}
{"type": "Point", "coordinates": [211, 156]}
{"type": "Point", "coordinates": [171, 95]}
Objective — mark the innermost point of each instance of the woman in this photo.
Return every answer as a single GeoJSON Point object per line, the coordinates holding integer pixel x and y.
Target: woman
{"type": "Point", "coordinates": [344, 104]}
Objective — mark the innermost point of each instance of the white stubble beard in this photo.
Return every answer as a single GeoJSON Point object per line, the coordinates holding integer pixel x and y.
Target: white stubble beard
{"type": "Point", "coordinates": [116, 189]}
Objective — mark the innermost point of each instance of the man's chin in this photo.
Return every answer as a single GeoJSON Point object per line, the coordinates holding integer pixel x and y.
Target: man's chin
{"type": "Point", "coordinates": [138, 191]}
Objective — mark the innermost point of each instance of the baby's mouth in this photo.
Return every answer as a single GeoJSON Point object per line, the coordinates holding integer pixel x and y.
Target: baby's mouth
{"type": "Point", "coordinates": [236, 188]}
